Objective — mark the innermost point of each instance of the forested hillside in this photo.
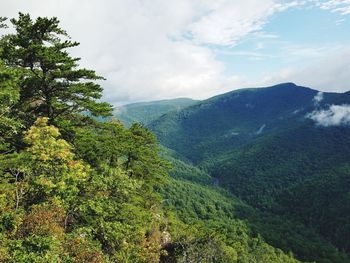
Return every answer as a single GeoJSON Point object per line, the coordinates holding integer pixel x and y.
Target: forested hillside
{"type": "Point", "coordinates": [303, 173]}
{"type": "Point", "coordinates": [146, 112]}
{"type": "Point", "coordinates": [73, 189]}
{"type": "Point", "coordinates": [226, 121]}
{"type": "Point", "coordinates": [196, 202]}
{"type": "Point", "coordinates": [284, 150]}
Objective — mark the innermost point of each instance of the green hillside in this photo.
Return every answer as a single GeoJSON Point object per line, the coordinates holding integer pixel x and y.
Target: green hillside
{"type": "Point", "coordinates": [302, 172]}
{"type": "Point", "coordinates": [191, 194]}
{"type": "Point", "coordinates": [223, 122]}
{"type": "Point", "coordinates": [261, 146]}
{"type": "Point", "coordinates": [146, 112]}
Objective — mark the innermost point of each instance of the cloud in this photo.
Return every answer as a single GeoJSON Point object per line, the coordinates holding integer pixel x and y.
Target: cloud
{"type": "Point", "coordinates": [339, 21]}
{"type": "Point", "coordinates": [136, 45]}
{"type": "Point", "coordinates": [229, 21]}
{"type": "Point", "coordinates": [318, 98]}
{"type": "Point", "coordinates": [336, 6]}
{"type": "Point", "coordinates": [155, 49]}
{"type": "Point", "coordinates": [336, 115]}
{"type": "Point", "coordinates": [261, 129]}
{"type": "Point", "coordinates": [248, 54]}
{"type": "Point", "coordinates": [330, 72]}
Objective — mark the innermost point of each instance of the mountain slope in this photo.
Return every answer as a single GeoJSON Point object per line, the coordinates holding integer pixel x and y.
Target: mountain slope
{"type": "Point", "coordinates": [146, 112]}
{"type": "Point", "coordinates": [190, 196]}
{"type": "Point", "coordinates": [303, 172]}
{"type": "Point", "coordinates": [218, 124]}
{"type": "Point", "coordinates": [262, 146]}
{"type": "Point", "coordinates": [285, 157]}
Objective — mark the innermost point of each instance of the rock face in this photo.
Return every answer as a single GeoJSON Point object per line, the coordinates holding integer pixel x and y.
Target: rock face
{"type": "Point", "coordinates": [165, 238]}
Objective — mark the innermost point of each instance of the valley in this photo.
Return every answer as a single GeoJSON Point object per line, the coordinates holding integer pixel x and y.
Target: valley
{"type": "Point", "coordinates": [280, 170]}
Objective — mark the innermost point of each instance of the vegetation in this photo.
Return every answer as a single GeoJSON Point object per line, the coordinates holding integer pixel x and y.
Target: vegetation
{"type": "Point", "coordinates": [60, 200]}
{"type": "Point", "coordinates": [146, 112]}
{"type": "Point", "coordinates": [51, 83]}
{"type": "Point", "coordinates": [196, 202]}
{"type": "Point", "coordinates": [307, 182]}
{"type": "Point", "coordinates": [294, 175]}
{"type": "Point", "coordinates": [213, 232]}
{"type": "Point", "coordinates": [222, 123]}
{"type": "Point", "coordinates": [73, 189]}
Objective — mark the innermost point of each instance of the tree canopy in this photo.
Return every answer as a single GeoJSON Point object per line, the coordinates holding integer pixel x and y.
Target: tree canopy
{"type": "Point", "coordinates": [52, 84]}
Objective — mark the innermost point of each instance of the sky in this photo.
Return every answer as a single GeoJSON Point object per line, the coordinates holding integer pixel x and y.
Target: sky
{"type": "Point", "coordinates": [163, 49]}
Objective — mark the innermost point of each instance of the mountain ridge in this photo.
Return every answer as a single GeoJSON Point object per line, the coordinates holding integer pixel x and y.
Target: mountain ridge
{"type": "Point", "coordinates": [265, 146]}
{"type": "Point", "coordinates": [239, 114]}
{"type": "Point", "coordinates": [146, 112]}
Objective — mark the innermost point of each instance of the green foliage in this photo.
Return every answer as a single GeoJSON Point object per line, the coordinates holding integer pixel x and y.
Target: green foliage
{"type": "Point", "coordinates": [213, 231]}
{"type": "Point", "coordinates": [302, 173]}
{"type": "Point", "coordinates": [85, 195]}
{"type": "Point", "coordinates": [182, 170]}
{"type": "Point", "coordinates": [51, 199]}
{"type": "Point", "coordinates": [110, 143]}
{"type": "Point", "coordinates": [9, 96]}
{"type": "Point", "coordinates": [52, 85]}
{"type": "Point", "coordinates": [258, 144]}
{"type": "Point", "coordinates": [219, 124]}
{"type": "Point", "coordinates": [117, 213]}
{"type": "Point", "coordinates": [325, 210]}
{"type": "Point", "coordinates": [146, 112]}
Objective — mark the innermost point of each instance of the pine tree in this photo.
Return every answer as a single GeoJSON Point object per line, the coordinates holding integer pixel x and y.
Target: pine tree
{"type": "Point", "coordinates": [52, 85]}
{"type": "Point", "coordinates": [9, 96]}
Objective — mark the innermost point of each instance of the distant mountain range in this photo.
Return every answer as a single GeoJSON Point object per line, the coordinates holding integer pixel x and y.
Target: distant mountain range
{"type": "Point", "coordinates": [146, 112]}
{"type": "Point", "coordinates": [284, 150]}
{"type": "Point", "coordinates": [224, 122]}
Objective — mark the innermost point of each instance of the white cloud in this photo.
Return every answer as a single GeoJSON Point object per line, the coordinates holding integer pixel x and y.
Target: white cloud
{"type": "Point", "coordinates": [336, 115]}
{"type": "Point", "coordinates": [131, 43]}
{"type": "Point", "coordinates": [318, 98]}
{"type": "Point", "coordinates": [154, 49]}
{"type": "Point", "coordinates": [337, 6]}
{"type": "Point", "coordinates": [330, 72]}
{"type": "Point", "coordinates": [261, 129]}
{"type": "Point", "coordinates": [339, 21]}
{"type": "Point", "coordinates": [249, 54]}
{"type": "Point", "coordinates": [228, 21]}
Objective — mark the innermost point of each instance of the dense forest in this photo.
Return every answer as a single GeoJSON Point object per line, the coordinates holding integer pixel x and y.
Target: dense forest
{"type": "Point", "coordinates": [292, 173]}
{"type": "Point", "coordinates": [146, 112]}
{"type": "Point", "coordinates": [76, 189]}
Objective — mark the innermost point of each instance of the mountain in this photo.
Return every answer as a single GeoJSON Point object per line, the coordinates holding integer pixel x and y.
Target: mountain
{"type": "Point", "coordinates": [302, 172]}
{"type": "Point", "coordinates": [223, 122]}
{"type": "Point", "coordinates": [284, 150]}
{"type": "Point", "coordinates": [195, 198]}
{"type": "Point", "coordinates": [146, 112]}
